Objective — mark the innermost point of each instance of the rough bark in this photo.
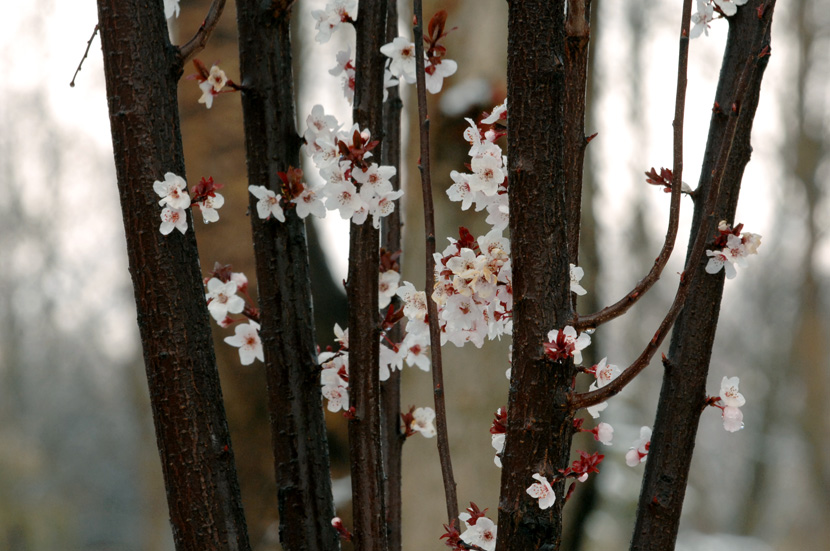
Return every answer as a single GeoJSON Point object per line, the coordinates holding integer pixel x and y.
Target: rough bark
{"type": "Point", "coordinates": [298, 430]}
{"type": "Point", "coordinates": [142, 70]}
{"type": "Point", "coordinates": [362, 290]}
{"type": "Point", "coordinates": [540, 424]}
{"type": "Point", "coordinates": [683, 394]}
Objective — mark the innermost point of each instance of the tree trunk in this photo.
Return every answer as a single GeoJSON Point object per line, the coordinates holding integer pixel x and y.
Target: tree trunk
{"type": "Point", "coordinates": [142, 70]}
{"type": "Point", "coordinates": [298, 429]}
{"type": "Point", "coordinates": [683, 395]}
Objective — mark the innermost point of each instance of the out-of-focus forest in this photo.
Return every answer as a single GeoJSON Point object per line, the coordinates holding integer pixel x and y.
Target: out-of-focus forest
{"type": "Point", "coordinates": [78, 465]}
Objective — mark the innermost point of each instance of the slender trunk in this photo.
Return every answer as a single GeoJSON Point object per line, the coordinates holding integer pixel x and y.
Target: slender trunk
{"type": "Point", "coordinates": [298, 430]}
{"type": "Point", "coordinates": [362, 289]}
{"type": "Point", "coordinates": [390, 390]}
{"type": "Point", "coordinates": [683, 394]}
{"type": "Point", "coordinates": [540, 423]}
{"type": "Point", "coordinates": [142, 70]}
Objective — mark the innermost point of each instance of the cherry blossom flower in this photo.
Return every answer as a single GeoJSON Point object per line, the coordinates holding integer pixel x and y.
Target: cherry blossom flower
{"type": "Point", "coordinates": [217, 78]}
{"type": "Point", "coordinates": [639, 451]}
{"type": "Point", "coordinates": [577, 274]}
{"type": "Point", "coordinates": [387, 287]}
{"type": "Point", "coordinates": [729, 392]}
{"type": "Point", "coordinates": [564, 343]}
{"type": "Point", "coordinates": [269, 203]}
{"type": "Point", "coordinates": [605, 373]}
{"type": "Point", "coordinates": [171, 8]}
{"type": "Point", "coordinates": [604, 433]}
{"type": "Point", "coordinates": [172, 191]}
{"type": "Point", "coordinates": [542, 491]}
{"type": "Point", "coordinates": [246, 338]}
{"type": "Point", "coordinates": [402, 53]}
{"type": "Point", "coordinates": [480, 532]}
{"type": "Point", "coordinates": [309, 202]}
{"type": "Point", "coordinates": [329, 19]}
{"type": "Point", "coordinates": [423, 422]}
{"type": "Point", "coordinates": [173, 219]}
{"type": "Point", "coordinates": [731, 247]}
{"type": "Point", "coordinates": [207, 93]}
{"type": "Point", "coordinates": [733, 419]}
{"type": "Point", "coordinates": [222, 299]}
{"type": "Point", "coordinates": [498, 113]}
{"type": "Point", "coordinates": [705, 14]}
{"type": "Point", "coordinates": [415, 302]}
{"type": "Point", "coordinates": [436, 73]}
{"type": "Point", "coordinates": [345, 66]}
{"type": "Point", "coordinates": [209, 206]}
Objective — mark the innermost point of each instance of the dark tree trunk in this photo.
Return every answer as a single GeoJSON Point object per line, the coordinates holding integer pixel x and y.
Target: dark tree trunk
{"type": "Point", "coordinates": [142, 70]}
{"type": "Point", "coordinates": [298, 430]}
{"type": "Point", "coordinates": [683, 395]}
{"type": "Point", "coordinates": [390, 390]}
{"type": "Point", "coordinates": [362, 289]}
{"type": "Point", "coordinates": [540, 424]}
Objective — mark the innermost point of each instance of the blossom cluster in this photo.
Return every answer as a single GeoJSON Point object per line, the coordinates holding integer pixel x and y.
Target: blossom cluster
{"type": "Point", "coordinates": [222, 300]}
{"type": "Point", "coordinates": [329, 19]}
{"type": "Point", "coordinates": [732, 401]}
{"type": "Point", "coordinates": [485, 186]}
{"type": "Point", "coordinates": [542, 490]}
{"type": "Point", "coordinates": [354, 186]}
{"type": "Point", "coordinates": [175, 199]}
{"type": "Point", "coordinates": [731, 247]}
{"type": "Point", "coordinates": [212, 82]}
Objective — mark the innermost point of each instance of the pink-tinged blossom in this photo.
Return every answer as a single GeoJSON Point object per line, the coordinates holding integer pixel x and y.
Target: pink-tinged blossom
{"type": "Point", "coordinates": [402, 53]}
{"type": "Point", "coordinates": [542, 491]}
{"type": "Point", "coordinates": [222, 299]}
{"type": "Point", "coordinates": [604, 373]}
{"type": "Point", "coordinates": [173, 219]}
{"type": "Point", "coordinates": [337, 396]}
{"type": "Point", "coordinates": [387, 287]}
{"type": "Point", "coordinates": [604, 433]}
{"type": "Point", "coordinates": [700, 21]}
{"type": "Point", "coordinates": [415, 302]}
{"type": "Point", "coordinates": [209, 207]}
{"type": "Point", "coordinates": [423, 421]}
{"type": "Point", "coordinates": [733, 419]}
{"type": "Point", "coordinates": [729, 392]}
{"type": "Point", "coordinates": [309, 202]}
{"type": "Point", "coordinates": [172, 191]}
{"type": "Point", "coordinates": [435, 74]}
{"type": "Point", "coordinates": [499, 113]}
{"type": "Point", "coordinates": [577, 274]}
{"type": "Point", "coordinates": [268, 204]}
{"type": "Point", "coordinates": [639, 451]}
{"type": "Point", "coordinates": [207, 93]}
{"type": "Point", "coordinates": [217, 78]}
{"type": "Point", "coordinates": [481, 532]}
{"type": "Point", "coordinates": [329, 19]}
{"type": "Point", "coordinates": [246, 338]}
{"type": "Point", "coordinates": [564, 343]}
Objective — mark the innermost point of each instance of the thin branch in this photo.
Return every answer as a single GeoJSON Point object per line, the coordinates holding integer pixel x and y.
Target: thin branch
{"type": "Point", "coordinates": [199, 40]}
{"type": "Point", "coordinates": [86, 53]}
{"type": "Point", "coordinates": [703, 235]}
{"type": "Point", "coordinates": [432, 308]}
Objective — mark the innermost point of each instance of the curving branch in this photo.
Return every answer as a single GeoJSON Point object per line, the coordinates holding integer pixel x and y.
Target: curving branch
{"type": "Point", "coordinates": [624, 304]}
{"type": "Point", "coordinates": [432, 308]}
{"type": "Point", "coordinates": [587, 399]}
{"type": "Point", "coordinates": [200, 39]}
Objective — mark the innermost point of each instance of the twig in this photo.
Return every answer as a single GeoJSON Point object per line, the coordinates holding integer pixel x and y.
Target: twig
{"type": "Point", "coordinates": [86, 52]}
{"type": "Point", "coordinates": [432, 308]}
{"type": "Point", "coordinates": [703, 235]}
{"type": "Point", "coordinates": [199, 40]}
{"type": "Point", "coordinates": [620, 307]}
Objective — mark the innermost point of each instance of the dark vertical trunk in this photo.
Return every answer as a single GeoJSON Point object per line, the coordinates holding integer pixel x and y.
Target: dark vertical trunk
{"type": "Point", "coordinates": [142, 70]}
{"type": "Point", "coordinates": [390, 390]}
{"type": "Point", "coordinates": [362, 289]}
{"type": "Point", "coordinates": [298, 430]}
{"type": "Point", "coordinates": [539, 420]}
{"type": "Point", "coordinates": [683, 393]}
